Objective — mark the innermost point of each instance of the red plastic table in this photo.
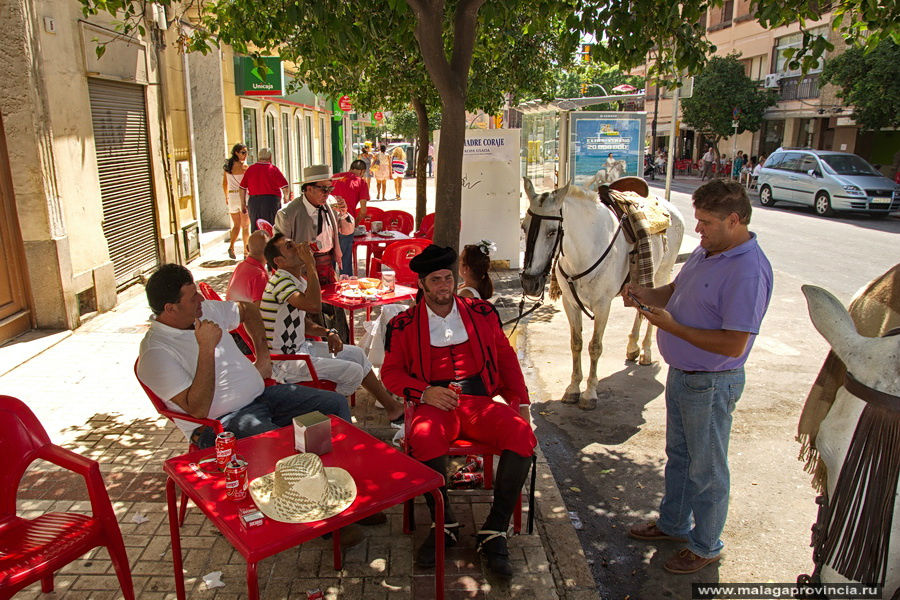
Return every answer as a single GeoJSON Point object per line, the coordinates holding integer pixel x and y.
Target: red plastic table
{"type": "Point", "coordinates": [331, 294]}
{"type": "Point", "coordinates": [384, 478]}
{"type": "Point", "coordinates": [373, 240]}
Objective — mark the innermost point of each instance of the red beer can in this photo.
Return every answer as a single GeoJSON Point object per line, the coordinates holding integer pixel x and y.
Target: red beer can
{"type": "Point", "coordinates": [455, 387]}
{"type": "Point", "coordinates": [236, 479]}
{"type": "Point", "coordinates": [475, 465]}
{"type": "Point", "coordinates": [225, 442]}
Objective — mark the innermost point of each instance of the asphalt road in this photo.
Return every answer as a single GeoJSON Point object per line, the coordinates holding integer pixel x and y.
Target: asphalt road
{"type": "Point", "coordinates": [609, 462]}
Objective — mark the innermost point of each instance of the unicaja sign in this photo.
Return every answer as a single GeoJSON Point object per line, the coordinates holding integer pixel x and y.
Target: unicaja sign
{"type": "Point", "coordinates": [263, 76]}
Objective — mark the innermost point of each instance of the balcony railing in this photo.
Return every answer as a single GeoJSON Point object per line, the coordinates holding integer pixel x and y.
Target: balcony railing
{"type": "Point", "coordinates": [800, 88]}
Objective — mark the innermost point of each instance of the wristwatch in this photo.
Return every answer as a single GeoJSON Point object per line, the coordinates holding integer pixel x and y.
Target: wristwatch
{"type": "Point", "coordinates": [332, 330]}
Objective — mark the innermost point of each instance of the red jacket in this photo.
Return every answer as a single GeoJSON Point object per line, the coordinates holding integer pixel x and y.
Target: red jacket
{"type": "Point", "coordinates": [407, 352]}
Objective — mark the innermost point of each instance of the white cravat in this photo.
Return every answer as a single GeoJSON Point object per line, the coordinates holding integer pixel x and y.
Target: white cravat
{"type": "Point", "coordinates": [446, 331]}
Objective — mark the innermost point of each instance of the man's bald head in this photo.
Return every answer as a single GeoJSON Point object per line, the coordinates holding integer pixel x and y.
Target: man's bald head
{"type": "Point", "coordinates": [257, 244]}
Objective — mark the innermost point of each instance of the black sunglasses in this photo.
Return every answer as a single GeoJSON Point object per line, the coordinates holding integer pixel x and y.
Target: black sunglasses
{"type": "Point", "coordinates": [324, 188]}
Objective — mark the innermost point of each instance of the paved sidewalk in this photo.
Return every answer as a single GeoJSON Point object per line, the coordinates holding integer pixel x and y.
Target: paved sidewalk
{"type": "Point", "coordinates": [82, 388]}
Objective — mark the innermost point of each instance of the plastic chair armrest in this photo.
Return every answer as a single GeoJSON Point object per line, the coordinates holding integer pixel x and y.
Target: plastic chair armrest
{"type": "Point", "coordinates": [90, 470]}
{"type": "Point", "coordinates": [171, 414]}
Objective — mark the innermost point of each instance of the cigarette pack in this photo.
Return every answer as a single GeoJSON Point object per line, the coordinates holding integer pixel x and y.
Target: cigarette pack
{"type": "Point", "coordinates": [251, 516]}
{"type": "Point", "coordinates": [312, 433]}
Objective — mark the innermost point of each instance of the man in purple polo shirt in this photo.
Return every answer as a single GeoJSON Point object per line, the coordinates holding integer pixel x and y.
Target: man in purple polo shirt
{"type": "Point", "coordinates": [707, 319]}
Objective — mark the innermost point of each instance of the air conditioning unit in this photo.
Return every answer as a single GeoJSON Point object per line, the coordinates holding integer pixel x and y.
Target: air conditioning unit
{"type": "Point", "coordinates": [772, 80]}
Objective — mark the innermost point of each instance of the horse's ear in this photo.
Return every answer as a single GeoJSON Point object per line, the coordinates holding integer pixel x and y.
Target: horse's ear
{"type": "Point", "coordinates": [832, 320]}
{"type": "Point", "coordinates": [562, 192]}
{"type": "Point", "coordinates": [529, 188]}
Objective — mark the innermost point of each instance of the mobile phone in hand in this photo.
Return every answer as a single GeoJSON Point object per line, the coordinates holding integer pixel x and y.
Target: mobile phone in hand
{"type": "Point", "coordinates": [638, 302]}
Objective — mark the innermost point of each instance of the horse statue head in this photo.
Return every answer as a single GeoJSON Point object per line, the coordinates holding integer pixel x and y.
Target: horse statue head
{"type": "Point", "coordinates": [543, 234]}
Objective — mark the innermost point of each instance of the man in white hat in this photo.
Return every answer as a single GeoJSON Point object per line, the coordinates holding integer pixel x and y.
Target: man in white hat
{"type": "Point", "coordinates": [310, 219]}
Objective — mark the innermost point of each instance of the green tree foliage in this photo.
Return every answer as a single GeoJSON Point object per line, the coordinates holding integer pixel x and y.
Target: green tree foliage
{"type": "Point", "coordinates": [868, 81]}
{"type": "Point", "coordinates": [591, 79]}
{"type": "Point", "coordinates": [405, 123]}
{"type": "Point", "coordinates": [718, 90]}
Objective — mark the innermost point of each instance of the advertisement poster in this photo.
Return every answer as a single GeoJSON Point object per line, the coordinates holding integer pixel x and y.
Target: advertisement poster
{"type": "Point", "coordinates": [490, 191]}
{"type": "Point", "coordinates": [605, 146]}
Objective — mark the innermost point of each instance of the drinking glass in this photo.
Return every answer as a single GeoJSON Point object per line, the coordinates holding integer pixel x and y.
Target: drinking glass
{"type": "Point", "coordinates": [344, 281]}
{"type": "Point", "coordinates": [353, 283]}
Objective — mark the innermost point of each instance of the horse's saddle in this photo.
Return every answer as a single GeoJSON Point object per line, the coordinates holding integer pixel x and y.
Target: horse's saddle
{"type": "Point", "coordinates": [645, 216]}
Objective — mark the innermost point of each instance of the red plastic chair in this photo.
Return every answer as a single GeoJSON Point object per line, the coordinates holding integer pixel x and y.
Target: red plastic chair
{"type": "Point", "coordinates": [397, 256]}
{"type": "Point", "coordinates": [463, 447]}
{"type": "Point", "coordinates": [426, 227]}
{"type": "Point", "coordinates": [265, 226]}
{"type": "Point", "coordinates": [398, 220]}
{"type": "Point", "coordinates": [33, 549]}
{"type": "Point", "coordinates": [372, 214]}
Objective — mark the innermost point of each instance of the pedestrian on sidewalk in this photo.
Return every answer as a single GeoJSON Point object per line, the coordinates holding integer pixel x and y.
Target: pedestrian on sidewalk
{"type": "Point", "coordinates": [398, 168]}
{"type": "Point", "coordinates": [708, 159]}
{"type": "Point", "coordinates": [266, 187]}
{"type": "Point", "coordinates": [234, 169]}
{"type": "Point", "coordinates": [382, 169]}
{"type": "Point", "coordinates": [708, 319]}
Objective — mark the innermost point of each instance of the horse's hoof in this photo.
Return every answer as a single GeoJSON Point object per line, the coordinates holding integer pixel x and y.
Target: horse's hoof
{"type": "Point", "coordinates": [632, 356]}
{"type": "Point", "coordinates": [571, 398]}
{"type": "Point", "coordinates": [645, 361]}
{"type": "Point", "coordinates": [587, 403]}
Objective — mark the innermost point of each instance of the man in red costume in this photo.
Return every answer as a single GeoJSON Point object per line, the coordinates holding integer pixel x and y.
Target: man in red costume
{"type": "Point", "coordinates": [444, 339]}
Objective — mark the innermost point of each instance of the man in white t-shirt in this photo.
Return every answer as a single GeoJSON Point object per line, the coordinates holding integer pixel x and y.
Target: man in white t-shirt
{"type": "Point", "coordinates": [186, 361]}
{"type": "Point", "coordinates": [287, 299]}
{"type": "Point", "coordinates": [708, 159]}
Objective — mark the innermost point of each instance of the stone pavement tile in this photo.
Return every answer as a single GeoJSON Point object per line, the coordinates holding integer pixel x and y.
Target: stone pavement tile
{"type": "Point", "coordinates": [330, 586]}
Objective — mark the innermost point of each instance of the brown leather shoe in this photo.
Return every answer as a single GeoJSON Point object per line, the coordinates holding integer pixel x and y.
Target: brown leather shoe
{"type": "Point", "coordinates": [684, 561]}
{"type": "Point", "coordinates": [649, 532]}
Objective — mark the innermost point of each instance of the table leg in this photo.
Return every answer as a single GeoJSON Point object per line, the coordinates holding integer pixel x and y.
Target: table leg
{"type": "Point", "coordinates": [352, 326]}
{"type": "Point", "coordinates": [176, 538]}
{"type": "Point", "coordinates": [336, 549]}
{"type": "Point", "coordinates": [438, 544]}
{"type": "Point", "coordinates": [252, 581]}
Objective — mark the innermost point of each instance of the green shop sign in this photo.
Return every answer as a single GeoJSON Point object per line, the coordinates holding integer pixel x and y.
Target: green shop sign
{"type": "Point", "coordinates": [258, 77]}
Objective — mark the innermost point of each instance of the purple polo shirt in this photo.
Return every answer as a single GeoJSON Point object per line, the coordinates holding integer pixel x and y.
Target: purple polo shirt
{"type": "Point", "coordinates": [730, 290]}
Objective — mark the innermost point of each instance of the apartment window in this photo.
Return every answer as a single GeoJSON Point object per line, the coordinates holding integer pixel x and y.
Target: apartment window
{"type": "Point", "coordinates": [285, 145]}
{"type": "Point", "coordinates": [794, 40]}
{"type": "Point", "coordinates": [270, 135]}
{"type": "Point", "coordinates": [251, 140]}
{"type": "Point", "coordinates": [755, 67]}
{"type": "Point", "coordinates": [309, 139]}
{"type": "Point", "coordinates": [322, 140]}
{"type": "Point", "coordinates": [727, 11]}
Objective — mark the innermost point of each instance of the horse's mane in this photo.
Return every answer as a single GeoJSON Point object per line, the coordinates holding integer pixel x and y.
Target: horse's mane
{"type": "Point", "coordinates": [582, 195]}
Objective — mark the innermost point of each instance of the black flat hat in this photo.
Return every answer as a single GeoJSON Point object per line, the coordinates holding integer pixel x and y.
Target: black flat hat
{"type": "Point", "coordinates": [433, 258]}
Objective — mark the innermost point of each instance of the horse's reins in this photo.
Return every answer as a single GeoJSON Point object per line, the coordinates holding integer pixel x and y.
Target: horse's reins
{"type": "Point", "coordinates": [530, 239]}
{"type": "Point", "coordinates": [571, 279]}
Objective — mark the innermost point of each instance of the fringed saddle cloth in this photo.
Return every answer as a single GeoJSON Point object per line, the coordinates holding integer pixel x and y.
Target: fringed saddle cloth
{"type": "Point", "coordinates": [646, 217]}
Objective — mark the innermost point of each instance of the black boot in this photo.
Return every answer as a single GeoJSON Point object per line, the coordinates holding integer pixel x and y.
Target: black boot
{"type": "Point", "coordinates": [425, 555]}
{"type": "Point", "coordinates": [491, 539]}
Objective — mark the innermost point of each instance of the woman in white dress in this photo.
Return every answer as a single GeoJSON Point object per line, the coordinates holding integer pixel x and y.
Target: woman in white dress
{"type": "Point", "coordinates": [231, 183]}
{"type": "Point", "coordinates": [474, 265]}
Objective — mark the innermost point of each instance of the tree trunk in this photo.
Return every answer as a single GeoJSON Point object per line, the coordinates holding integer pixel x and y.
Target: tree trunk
{"type": "Point", "coordinates": [421, 158]}
{"type": "Point", "coordinates": [448, 187]}
{"type": "Point", "coordinates": [451, 79]}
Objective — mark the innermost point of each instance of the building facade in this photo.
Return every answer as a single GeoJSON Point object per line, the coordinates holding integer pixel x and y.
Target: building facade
{"type": "Point", "coordinates": [112, 164]}
{"type": "Point", "coordinates": [805, 114]}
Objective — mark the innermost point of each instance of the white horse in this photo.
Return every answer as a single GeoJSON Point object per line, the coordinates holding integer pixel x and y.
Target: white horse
{"type": "Point", "coordinates": [875, 363]}
{"type": "Point", "coordinates": [591, 232]}
{"type": "Point", "coordinates": [607, 174]}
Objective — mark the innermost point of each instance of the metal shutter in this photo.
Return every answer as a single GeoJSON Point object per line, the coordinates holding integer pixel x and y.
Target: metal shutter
{"type": "Point", "coordinates": [123, 159]}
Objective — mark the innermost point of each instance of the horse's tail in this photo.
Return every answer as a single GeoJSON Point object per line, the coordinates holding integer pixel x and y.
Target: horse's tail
{"type": "Point", "coordinates": [555, 291]}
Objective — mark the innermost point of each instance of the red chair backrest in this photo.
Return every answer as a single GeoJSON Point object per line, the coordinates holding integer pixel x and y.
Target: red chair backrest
{"type": "Point", "coordinates": [21, 437]}
{"type": "Point", "coordinates": [372, 214]}
{"type": "Point", "coordinates": [161, 407]}
{"type": "Point", "coordinates": [398, 220]}
{"type": "Point", "coordinates": [397, 256]}
{"type": "Point", "coordinates": [426, 228]}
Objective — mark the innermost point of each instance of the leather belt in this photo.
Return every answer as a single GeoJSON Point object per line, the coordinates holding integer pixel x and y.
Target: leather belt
{"type": "Point", "coordinates": [471, 386]}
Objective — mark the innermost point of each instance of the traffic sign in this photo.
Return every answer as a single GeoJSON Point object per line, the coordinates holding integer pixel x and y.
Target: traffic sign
{"type": "Point", "coordinates": [345, 104]}
{"type": "Point", "coordinates": [379, 116]}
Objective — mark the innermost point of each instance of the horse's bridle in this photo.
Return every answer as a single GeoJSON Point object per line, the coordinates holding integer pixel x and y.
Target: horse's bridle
{"type": "Point", "coordinates": [531, 238]}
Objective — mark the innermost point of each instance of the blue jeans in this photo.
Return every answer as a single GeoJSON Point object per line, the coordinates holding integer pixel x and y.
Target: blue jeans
{"type": "Point", "coordinates": [276, 407]}
{"type": "Point", "coordinates": [346, 243]}
{"type": "Point", "coordinates": [698, 426]}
